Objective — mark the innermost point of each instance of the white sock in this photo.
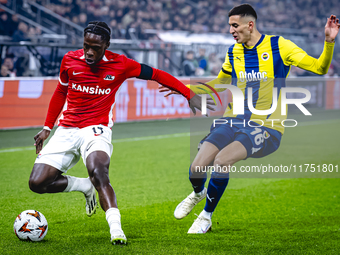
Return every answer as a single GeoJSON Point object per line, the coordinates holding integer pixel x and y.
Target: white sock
{"type": "Point", "coordinates": [199, 193]}
{"type": "Point", "coordinates": [113, 218]}
{"type": "Point", "coordinates": [206, 214]}
{"type": "Point", "coordinates": [78, 184]}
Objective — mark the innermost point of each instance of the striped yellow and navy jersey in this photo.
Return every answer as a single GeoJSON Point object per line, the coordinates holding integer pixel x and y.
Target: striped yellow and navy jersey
{"type": "Point", "coordinates": [263, 67]}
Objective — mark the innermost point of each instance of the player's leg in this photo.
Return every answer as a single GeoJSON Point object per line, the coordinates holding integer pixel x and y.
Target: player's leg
{"type": "Point", "coordinates": [96, 151]}
{"type": "Point", "coordinates": [197, 172]}
{"type": "Point", "coordinates": [197, 177]}
{"type": "Point", "coordinates": [47, 179]}
{"type": "Point", "coordinates": [219, 137]}
{"type": "Point", "coordinates": [97, 163]}
{"type": "Point", "coordinates": [247, 142]}
{"type": "Point", "coordinates": [227, 157]}
{"type": "Point", "coordinates": [59, 155]}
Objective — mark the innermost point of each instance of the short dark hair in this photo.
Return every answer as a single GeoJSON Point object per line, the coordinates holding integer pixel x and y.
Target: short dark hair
{"type": "Point", "coordinates": [243, 10]}
{"type": "Point", "coordinates": [99, 28]}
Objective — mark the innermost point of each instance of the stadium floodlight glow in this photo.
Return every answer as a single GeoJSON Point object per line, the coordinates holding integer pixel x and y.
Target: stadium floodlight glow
{"type": "Point", "coordinates": [238, 100]}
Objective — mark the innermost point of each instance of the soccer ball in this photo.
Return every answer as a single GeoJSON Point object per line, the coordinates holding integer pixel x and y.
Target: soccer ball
{"type": "Point", "coordinates": [30, 225]}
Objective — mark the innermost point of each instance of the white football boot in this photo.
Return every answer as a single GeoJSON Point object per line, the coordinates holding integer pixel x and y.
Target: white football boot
{"type": "Point", "coordinates": [201, 225]}
{"type": "Point", "coordinates": [185, 207]}
{"type": "Point", "coordinates": [118, 236]}
{"type": "Point", "coordinates": [113, 218]}
{"type": "Point", "coordinates": [91, 202]}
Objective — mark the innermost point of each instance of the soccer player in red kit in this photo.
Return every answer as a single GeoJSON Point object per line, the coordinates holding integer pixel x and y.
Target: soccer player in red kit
{"type": "Point", "coordinates": [89, 81]}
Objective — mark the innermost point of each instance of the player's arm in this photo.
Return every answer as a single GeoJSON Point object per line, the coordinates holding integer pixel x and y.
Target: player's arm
{"type": "Point", "coordinates": [293, 55]}
{"type": "Point", "coordinates": [321, 65]}
{"type": "Point", "coordinates": [165, 79]}
{"type": "Point", "coordinates": [145, 72]}
{"type": "Point", "coordinates": [224, 77]}
{"type": "Point", "coordinates": [55, 107]}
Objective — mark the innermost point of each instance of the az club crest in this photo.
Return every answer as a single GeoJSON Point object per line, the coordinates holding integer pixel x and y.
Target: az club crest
{"type": "Point", "coordinates": [109, 77]}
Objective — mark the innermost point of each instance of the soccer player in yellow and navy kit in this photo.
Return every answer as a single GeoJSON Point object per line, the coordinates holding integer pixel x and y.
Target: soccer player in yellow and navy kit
{"type": "Point", "coordinates": [261, 62]}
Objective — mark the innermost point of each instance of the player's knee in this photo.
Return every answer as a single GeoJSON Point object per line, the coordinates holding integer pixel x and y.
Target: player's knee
{"type": "Point", "coordinates": [197, 168]}
{"type": "Point", "coordinates": [99, 176]}
{"type": "Point", "coordinates": [193, 168]}
{"type": "Point", "coordinates": [223, 164]}
{"type": "Point", "coordinates": [36, 185]}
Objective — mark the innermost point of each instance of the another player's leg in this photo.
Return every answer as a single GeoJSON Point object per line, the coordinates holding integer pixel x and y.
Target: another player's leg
{"type": "Point", "coordinates": [197, 177]}
{"type": "Point", "coordinates": [97, 163]}
{"type": "Point", "coordinates": [228, 156]}
{"type": "Point", "coordinates": [48, 179]}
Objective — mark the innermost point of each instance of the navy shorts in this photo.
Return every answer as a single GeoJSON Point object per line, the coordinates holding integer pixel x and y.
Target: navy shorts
{"type": "Point", "coordinates": [259, 141]}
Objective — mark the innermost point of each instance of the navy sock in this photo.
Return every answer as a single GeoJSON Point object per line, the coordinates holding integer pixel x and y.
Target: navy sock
{"type": "Point", "coordinates": [197, 180]}
{"type": "Point", "coordinates": [216, 187]}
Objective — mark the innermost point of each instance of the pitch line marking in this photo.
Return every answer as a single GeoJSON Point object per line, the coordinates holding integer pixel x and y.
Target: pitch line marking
{"type": "Point", "coordinates": [158, 137]}
{"type": "Point", "coordinates": [133, 139]}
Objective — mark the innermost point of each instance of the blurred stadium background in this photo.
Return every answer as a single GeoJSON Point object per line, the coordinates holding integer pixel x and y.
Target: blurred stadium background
{"type": "Point", "coordinates": [187, 38]}
{"type": "Point", "coordinates": [35, 35]}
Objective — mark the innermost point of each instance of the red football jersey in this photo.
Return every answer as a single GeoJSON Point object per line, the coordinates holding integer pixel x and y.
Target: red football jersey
{"type": "Point", "coordinates": [92, 90]}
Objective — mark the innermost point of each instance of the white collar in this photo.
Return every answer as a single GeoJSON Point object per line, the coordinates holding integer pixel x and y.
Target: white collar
{"type": "Point", "coordinates": [104, 58]}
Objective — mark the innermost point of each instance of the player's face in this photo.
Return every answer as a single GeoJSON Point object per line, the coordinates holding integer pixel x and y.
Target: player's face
{"type": "Point", "coordinates": [239, 28]}
{"type": "Point", "coordinates": [94, 48]}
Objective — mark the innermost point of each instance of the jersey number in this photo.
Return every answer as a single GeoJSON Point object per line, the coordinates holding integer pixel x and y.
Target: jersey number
{"type": "Point", "coordinates": [259, 138]}
{"type": "Point", "coordinates": [99, 129]}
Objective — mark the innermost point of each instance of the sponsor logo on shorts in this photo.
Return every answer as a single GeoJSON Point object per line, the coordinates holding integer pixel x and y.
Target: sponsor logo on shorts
{"type": "Point", "coordinates": [89, 147]}
{"type": "Point", "coordinates": [266, 135]}
{"type": "Point", "coordinates": [253, 150]}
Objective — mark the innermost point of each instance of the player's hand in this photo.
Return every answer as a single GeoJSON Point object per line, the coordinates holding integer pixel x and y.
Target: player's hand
{"type": "Point", "coordinates": [332, 28]}
{"type": "Point", "coordinates": [196, 103]}
{"type": "Point", "coordinates": [40, 138]}
{"type": "Point", "coordinates": [165, 89]}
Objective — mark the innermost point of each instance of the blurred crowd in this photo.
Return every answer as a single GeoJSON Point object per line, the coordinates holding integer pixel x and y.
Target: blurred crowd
{"type": "Point", "coordinates": [10, 25]}
{"type": "Point", "coordinates": [201, 65]}
{"type": "Point", "coordinates": [195, 15]}
{"type": "Point", "coordinates": [127, 17]}
{"type": "Point", "coordinates": [7, 67]}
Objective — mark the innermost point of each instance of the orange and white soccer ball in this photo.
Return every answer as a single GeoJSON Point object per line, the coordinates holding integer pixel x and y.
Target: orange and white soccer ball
{"type": "Point", "coordinates": [30, 225]}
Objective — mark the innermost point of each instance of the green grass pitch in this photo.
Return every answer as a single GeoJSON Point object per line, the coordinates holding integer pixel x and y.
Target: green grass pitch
{"type": "Point", "coordinates": [149, 172]}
